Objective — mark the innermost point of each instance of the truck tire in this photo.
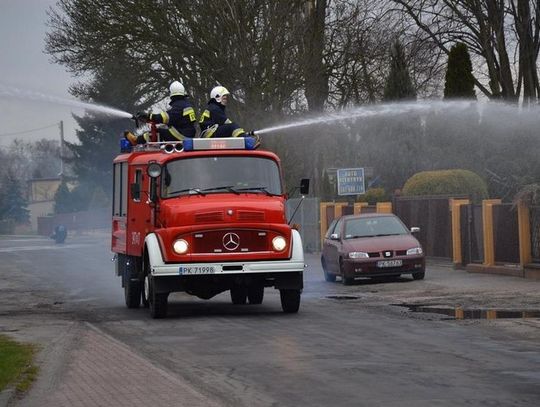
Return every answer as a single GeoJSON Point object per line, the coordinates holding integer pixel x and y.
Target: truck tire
{"type": "Point", "coordinates": [132, 284]}
{"type": "Point", "coordinates": [145, 291]}
{"type": "Point", "coordinates": [238, 295]}
{"type": "Point", "coordinates": [255, 294]}
{"type": "Point", "coordinates": [290, 301]}
{"type": "Point", "coordinates": [158, 303]}
{"type": "Point", "coordinates": [145, 286]}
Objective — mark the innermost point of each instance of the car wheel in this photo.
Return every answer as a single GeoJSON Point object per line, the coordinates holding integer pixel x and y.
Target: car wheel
{"type": "Point", "coordinates": [419, 276]}
{"type": "Point", "coordinates": [327, 276]}
{"type": "Point", "coordinates": [238, 295]}
{"type": "Point", "coordinates": [344, 279]}
{"type": "Point", "coordinates": [290, 301]}
{"type": "Point", "coordinates": [255, 294]}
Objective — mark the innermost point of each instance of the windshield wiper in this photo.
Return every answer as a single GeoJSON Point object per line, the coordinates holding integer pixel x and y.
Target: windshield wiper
{"type": "Point", "coordinates": [196, 190]}
{"type": "Point", "coordinates": [388, 234]}
{"type": "Point", "coordinates": [263, 189]}
{"type": "Point", "coordinates": [228, 188]}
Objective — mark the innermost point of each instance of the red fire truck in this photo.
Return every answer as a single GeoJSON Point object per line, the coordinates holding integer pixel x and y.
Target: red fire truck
{"type": "Point", "coordinates": [203, 217]}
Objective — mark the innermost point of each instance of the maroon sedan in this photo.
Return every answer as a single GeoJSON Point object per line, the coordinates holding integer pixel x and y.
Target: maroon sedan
{"type": "Point", "coordinates": [371, 245]}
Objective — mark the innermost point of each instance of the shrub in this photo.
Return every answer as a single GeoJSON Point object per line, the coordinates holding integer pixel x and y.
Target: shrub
{"type": "Point", "coordinates": [447, 182]}
{"type": "Point", "coordinates": [374, 195]}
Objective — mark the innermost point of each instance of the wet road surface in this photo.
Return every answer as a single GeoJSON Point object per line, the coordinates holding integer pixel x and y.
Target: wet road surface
{"type": "Point", "coordinates": [348, 346]}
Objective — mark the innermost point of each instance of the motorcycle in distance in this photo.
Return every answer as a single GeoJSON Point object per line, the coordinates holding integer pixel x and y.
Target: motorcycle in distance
{"type": "Point", "coordinates": [60, 233]}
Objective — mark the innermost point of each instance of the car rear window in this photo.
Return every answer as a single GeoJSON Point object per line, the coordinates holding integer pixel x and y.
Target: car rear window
{"type": "Point", "coordinates": [380, 226]}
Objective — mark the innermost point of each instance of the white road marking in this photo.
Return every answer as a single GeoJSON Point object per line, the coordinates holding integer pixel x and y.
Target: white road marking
{"type": "Point", "coordinates": [49, 247]}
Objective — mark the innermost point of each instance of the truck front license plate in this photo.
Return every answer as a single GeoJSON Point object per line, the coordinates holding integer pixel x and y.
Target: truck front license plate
{"type": "Point", "coordinates": [389, 263]}
{"type": "Point", "coordinates": [182, 270]}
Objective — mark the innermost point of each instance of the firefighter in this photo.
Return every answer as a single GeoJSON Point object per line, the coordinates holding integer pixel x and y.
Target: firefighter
{"type": "Point", "coordinates": [214, 121]}
{"type": "Point", "coordinates": [180, 119]}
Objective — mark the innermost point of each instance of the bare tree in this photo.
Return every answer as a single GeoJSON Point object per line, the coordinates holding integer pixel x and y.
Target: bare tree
{"type": "Point", "coordinates": [502, 34]}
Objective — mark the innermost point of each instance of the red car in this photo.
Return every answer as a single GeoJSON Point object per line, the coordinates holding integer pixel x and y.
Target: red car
{"type": "Point", "coordinates": [371, 245]}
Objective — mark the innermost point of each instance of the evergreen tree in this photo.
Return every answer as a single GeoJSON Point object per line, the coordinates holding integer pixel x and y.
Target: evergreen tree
{"type": "Point", "coordinates": [399, 85]}
{"type": "Point", "coordinates": [63, 202]}
{"type": "Point", "coordinates": [459, 81]}
{"type": "Point", "coordinates": [13, 204]}
{"type": "Point", "coordinates": [99, 135]}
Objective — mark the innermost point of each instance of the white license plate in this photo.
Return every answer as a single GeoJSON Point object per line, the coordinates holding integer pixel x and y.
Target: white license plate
{"type": "Point", "coordinates": [389, 263]}
{"type": "Point", "coordinates": [196, 270]}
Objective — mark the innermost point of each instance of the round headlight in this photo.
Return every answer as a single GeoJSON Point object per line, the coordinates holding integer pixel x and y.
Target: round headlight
{"type": "Point", "coordinates": [154, 170]}
{"type": "Point", "coordinates": [279, 243]}
{"type": "Point", "coordinates": [180, 246]}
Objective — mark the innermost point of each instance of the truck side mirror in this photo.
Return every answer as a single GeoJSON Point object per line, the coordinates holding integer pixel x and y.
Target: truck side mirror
{"type": "Point", "coordinates": [135, 190]}
{"type": "Point", "coordinates": [304, 186]}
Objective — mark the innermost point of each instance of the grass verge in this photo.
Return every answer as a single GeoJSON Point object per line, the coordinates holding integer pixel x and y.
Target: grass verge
{"type": "Point", "coordinates": [16, 366]}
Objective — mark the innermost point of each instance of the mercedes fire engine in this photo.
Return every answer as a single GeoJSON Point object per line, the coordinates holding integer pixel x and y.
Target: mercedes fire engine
{"type": "Point", "coordinates": [203, 217]}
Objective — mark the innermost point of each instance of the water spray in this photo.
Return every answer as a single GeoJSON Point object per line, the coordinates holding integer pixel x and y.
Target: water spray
{"type": "Point", "coordinates": [15, 93]}
{"type": "Point", "coordinates": [397, 109]}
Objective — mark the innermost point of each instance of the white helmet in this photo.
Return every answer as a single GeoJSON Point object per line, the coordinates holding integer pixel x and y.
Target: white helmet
{"type": "Point", "coordinates": [218, 92]}
{"type": "Point", "coordinates": [177, 89]}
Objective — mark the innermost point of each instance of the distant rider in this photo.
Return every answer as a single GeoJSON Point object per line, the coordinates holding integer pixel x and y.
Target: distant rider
{"type": "Point", "coordinates": [180, 119]}
{"type": "Point", "coordinates": [214, 121]}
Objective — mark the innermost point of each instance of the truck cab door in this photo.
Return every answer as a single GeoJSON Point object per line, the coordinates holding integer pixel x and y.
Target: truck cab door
{"type": "Point", "coordinates": [139, 211]}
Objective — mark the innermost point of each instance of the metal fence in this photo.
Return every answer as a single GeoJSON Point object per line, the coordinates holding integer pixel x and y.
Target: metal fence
{"type": "Point", "coordinates": [307, 216]}
{"type": "Point", "coordinates": [432, 215]}
{"type": "Point", "coordinates": [506, 233]}
{"type": "Point", "coordinates": [535, 233]}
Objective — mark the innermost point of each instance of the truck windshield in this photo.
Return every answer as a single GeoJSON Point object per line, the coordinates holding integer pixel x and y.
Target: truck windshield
{"type": "Point", "coordinates": [224, 174]}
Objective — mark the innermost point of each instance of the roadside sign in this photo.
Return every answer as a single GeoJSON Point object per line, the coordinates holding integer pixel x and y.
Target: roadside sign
{"type": "Point", "coordinates": [350, 181]}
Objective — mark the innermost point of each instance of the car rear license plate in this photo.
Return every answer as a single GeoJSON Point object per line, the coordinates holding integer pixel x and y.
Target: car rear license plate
{"type": "Point", "coordinates": [389, 263]}
{"type": "Point", "coordinates": [196, 270]}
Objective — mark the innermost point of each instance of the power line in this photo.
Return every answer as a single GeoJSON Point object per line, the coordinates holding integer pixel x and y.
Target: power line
{"type": "Point", "coordinates": [28, 131]}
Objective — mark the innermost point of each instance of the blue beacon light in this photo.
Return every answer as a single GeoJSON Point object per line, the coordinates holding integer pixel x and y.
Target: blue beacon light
{"type": "Point", "coordinates": [125, 146]}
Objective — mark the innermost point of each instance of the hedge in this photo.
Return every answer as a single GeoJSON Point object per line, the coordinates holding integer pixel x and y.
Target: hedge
{"type": "Point", "coordinates": [446, 182]}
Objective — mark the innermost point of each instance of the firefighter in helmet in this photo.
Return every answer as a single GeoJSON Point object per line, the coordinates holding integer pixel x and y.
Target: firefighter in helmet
{"type": "Point", "coordinates": [214, 121]}
{"type": "Point", "coordinates": [180, 119]}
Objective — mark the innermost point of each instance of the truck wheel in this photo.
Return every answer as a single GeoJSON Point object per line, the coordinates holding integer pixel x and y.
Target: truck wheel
{"type": "Point", "coordinates": [145, 292]}
{"type": "Point", "coordinates": [238, 295]}
{"type": "Point", "coordinates": [132, 285]}
{"type": "Point", "coordinates": [327, 276]}
{"type": "Point", "coordinates": [290, 301]}
{"type": "Point", "coordinates": [145, 286]}
{"type": "Point", "coordinates": [158, 303]}
{"type": "Point", "coordinates": [255, 294]}
{"type": "Point", "coordinates": [419, 276]}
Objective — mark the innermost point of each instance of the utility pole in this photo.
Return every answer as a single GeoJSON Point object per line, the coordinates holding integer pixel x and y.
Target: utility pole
{"type": "Point", "coordinates": [61, 124]}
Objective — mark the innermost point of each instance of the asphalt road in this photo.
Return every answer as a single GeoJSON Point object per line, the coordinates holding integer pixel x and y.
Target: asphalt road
{"type": "Point", "coordinates": [348, 345]}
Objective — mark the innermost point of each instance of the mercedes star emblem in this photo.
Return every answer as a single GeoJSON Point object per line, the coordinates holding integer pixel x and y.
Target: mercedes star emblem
{"type": "Point", "coordinates": [231, 241]}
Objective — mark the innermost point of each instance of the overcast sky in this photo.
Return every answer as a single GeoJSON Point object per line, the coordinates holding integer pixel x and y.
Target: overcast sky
{"type": "Point", "coordinates": [24, 65]}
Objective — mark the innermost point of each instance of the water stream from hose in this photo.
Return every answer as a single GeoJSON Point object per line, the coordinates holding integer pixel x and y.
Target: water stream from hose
{"type": "Point", "coordinates": [485, 109]}
{"type": "Point", "coordinates": [10, 92]}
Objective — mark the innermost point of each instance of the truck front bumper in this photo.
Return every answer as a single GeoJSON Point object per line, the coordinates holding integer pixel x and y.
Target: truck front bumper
{"type": "Point", "coordinates": [159, 268]}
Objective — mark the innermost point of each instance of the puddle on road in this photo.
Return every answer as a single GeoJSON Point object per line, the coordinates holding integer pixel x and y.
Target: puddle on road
{"type": "Point", "coordinates": [342, 297]}
{"type": "Point", "coordinates": [463, 313]}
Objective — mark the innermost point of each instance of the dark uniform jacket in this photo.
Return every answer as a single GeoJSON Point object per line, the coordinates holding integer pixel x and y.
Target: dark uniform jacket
{"type": "Point", "coordinates": [180, 118]}
{"type": "Point", "coordinates": [215, 114]}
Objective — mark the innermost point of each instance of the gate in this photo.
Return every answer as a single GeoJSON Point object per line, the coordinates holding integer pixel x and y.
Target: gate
{"type": "Point", "coordinates": [307, 216]}
{"type": "Point", "coordinates": [535, 233]}
{"type": "Point", "coordinates": [505, 234]}
{"type": "Point", "coordinates": [432, 215]}
{"type": "Point", "coordinates": [472, 234]}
